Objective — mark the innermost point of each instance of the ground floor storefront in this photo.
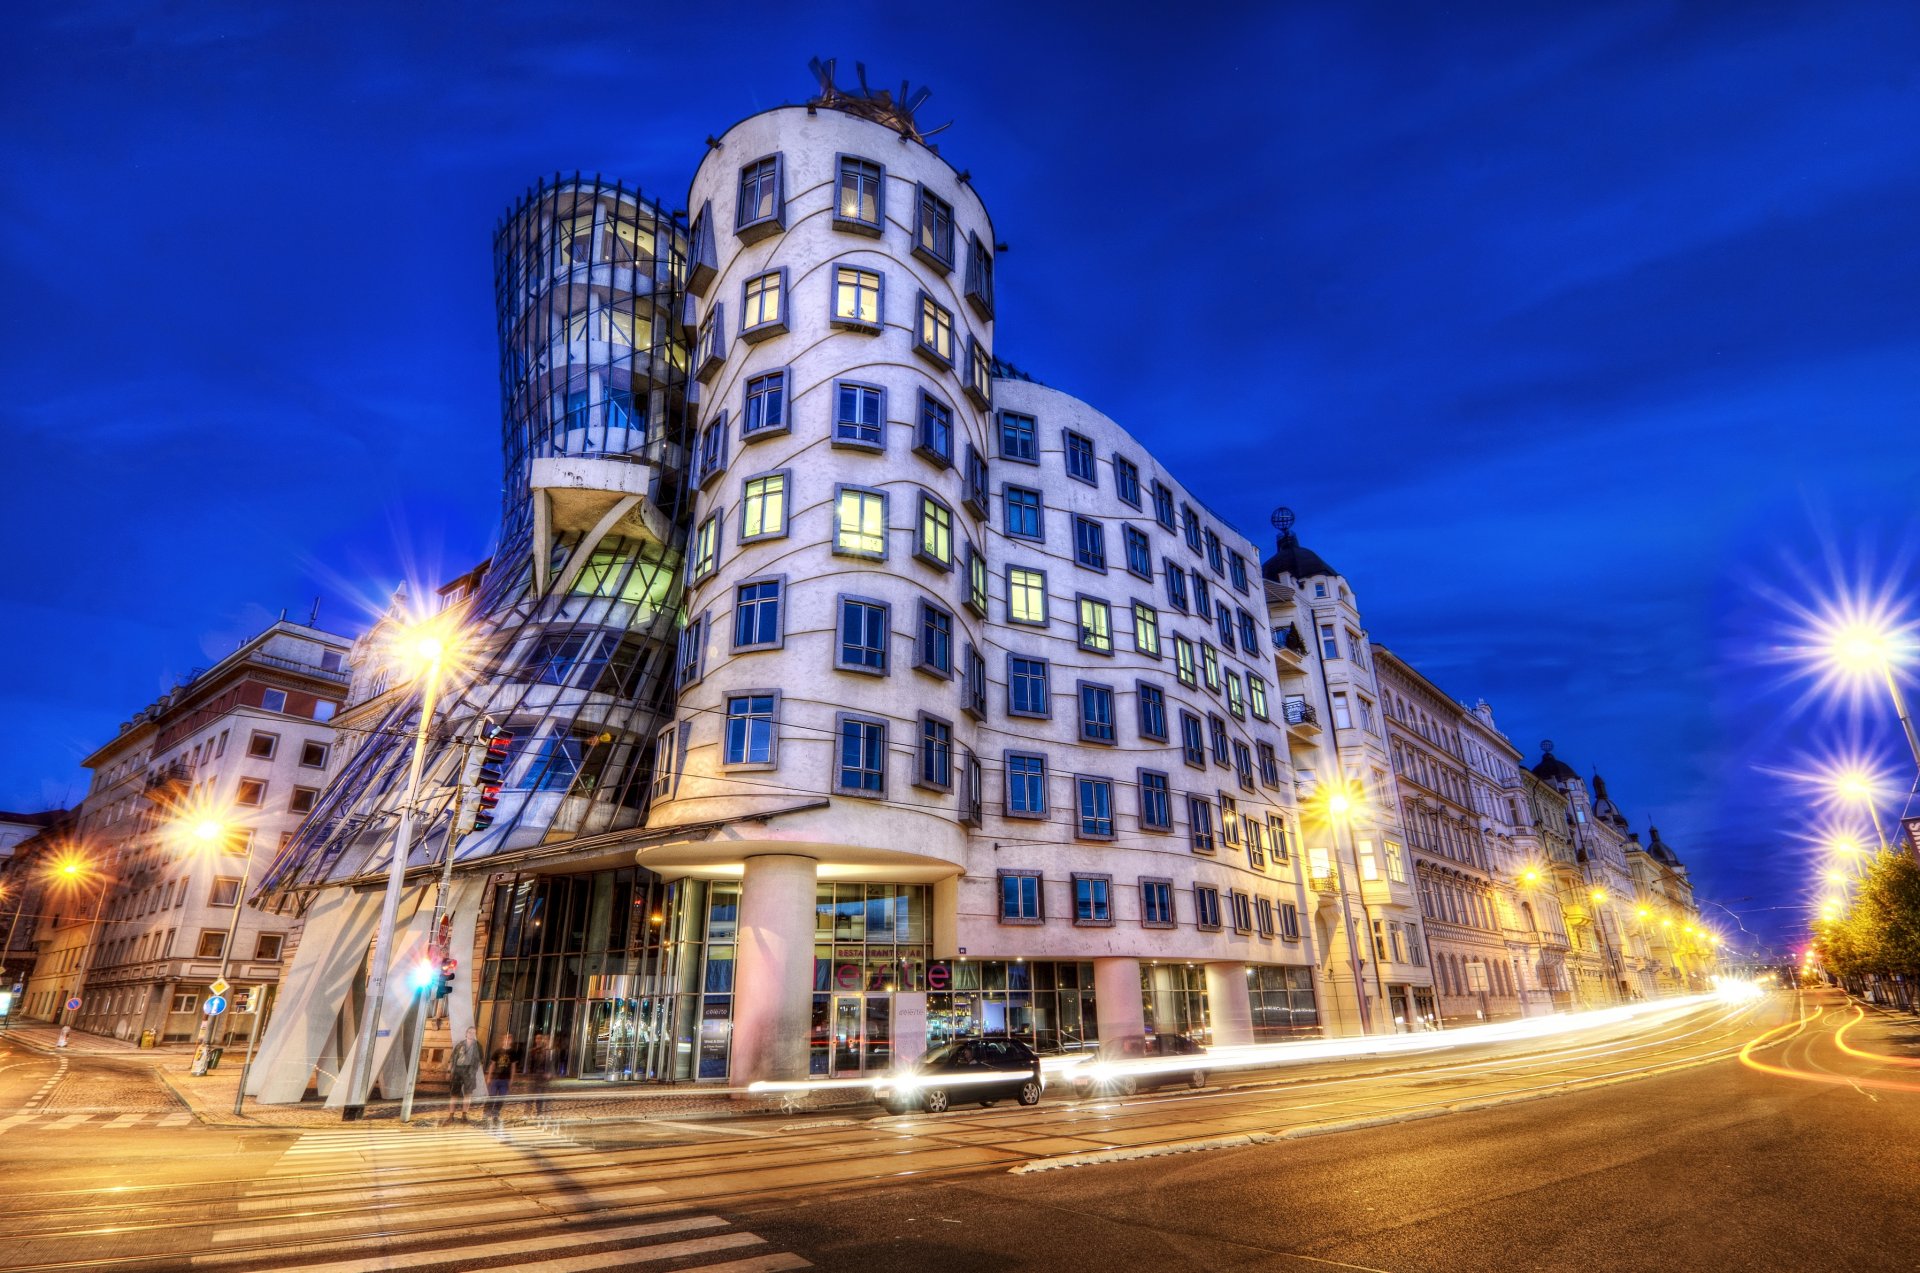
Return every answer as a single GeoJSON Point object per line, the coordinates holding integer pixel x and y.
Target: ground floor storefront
{"type": "Point", "coordinates": [632, 978]}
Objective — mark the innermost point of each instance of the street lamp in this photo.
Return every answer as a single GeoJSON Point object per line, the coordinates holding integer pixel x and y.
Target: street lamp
{"type": "Point", "coordinates": [1857, 785]}
{"type": "Point", "coordinates": [205, 833]}
{"type": "Point", "coordinates": [1341, 803]}
{"type": "Point", "coordinates": [1614, 962]}
{"type": "Point", "coordinates": [1863, 646]}
{"type": "Point", "coordinates": [423, 649]}
{"type": "Point", "coordinates": [70, 872]}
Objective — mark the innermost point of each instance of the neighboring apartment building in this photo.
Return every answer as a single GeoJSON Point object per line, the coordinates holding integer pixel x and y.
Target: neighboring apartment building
{"type": "Point", "coordinates": [1549, 879]}
{"type": "Point", "coordinates": [22, 894]}
{"type": "Point", "coordinates": [1679, 948]}
{"type": "Point", "coordinates": [1453, 861]}
{"type": "Point", "coordinates": [1366, 918]}
{"type": "Point", "coordinates": [245, 743]}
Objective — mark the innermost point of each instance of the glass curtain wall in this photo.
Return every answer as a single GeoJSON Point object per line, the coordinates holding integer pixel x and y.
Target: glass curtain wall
{"type": "Point", "coordinates": [1282, 1001]}
{"type": "Point", "coordinates": [1046, 1004]}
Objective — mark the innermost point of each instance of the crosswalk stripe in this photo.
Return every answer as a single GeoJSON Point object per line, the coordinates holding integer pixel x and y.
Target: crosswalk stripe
{"type": "Point", "coordinates": [522, 1246]}
{"type": "Point", "coordinates": [572, 1183]}
{"type": "Point", "coordinates": [69, 1121]}
{"type": "Point", "coordinates": [778, 1262]}
{"type": "Point", "coordinates": [505, 1203]}
{"type": "Point", "coordinates": [632, 1255]}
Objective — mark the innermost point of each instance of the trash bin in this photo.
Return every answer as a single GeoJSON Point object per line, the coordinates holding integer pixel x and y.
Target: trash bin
{"type": "Point", "coordinates": [213, 1058]}
{"type": "Point", "coordinates": [146, 1038]}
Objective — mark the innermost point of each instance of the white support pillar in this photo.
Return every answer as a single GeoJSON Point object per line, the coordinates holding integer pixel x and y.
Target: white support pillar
{"type": "Point", "coordinates": [331, 954]}
{"type": "Point", "coordinates": [409, 949]}
{"type": "Point", "coordinates": [773, 969]}
{"type": "Point", "coordinates": [1228, 1008]}
{"type": "Point", "coordinates": [1116, 997]}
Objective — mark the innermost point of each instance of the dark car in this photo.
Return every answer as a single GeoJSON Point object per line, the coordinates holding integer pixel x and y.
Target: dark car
{"type": "Point", "coordinates": [1131, 1062]}
{"type": "Point", "coordinates": [983, 1070]}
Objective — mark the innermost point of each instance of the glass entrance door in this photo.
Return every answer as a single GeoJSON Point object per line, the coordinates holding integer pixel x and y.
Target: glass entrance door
{"type": "Point", "coordinates": [862, 1035]}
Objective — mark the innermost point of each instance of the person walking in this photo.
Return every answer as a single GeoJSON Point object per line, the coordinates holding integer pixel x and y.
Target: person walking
{"type": "Point", "coordinates": [463, 1076]}
{"type": "Point", "coordinates": [499, 1079]}
{"type": "Point", "coordinates": [540, 1072]}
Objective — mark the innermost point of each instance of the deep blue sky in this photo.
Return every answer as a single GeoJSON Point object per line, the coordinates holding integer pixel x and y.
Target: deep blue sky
{"type": "Point", "coordinates": [1567, 335]}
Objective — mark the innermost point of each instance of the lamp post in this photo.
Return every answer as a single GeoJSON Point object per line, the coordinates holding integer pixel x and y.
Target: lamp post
{"type": "Point", "coordinates": [1870, 649]}
{"type": "Point", "coordinates": [1615, 965]}
{"type": "Point", "coordinates": [72, 870]}
{"type": "Point", "coordinates": [1857, 786]}
{"type": "Point", "coordinates": [430, 649]}
{"type": "Point", "coordinates": [1339, 811]}
{"type": "Point", "coordinates": [211, 834]}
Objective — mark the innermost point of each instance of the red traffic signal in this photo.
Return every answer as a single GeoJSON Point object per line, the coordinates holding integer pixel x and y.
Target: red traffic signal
{"type": "Point", "coordinates": [444, 985]}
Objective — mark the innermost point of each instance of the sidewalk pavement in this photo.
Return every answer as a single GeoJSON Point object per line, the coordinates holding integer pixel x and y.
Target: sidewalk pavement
{"type": "Point", "coordinates": [210, 1096]}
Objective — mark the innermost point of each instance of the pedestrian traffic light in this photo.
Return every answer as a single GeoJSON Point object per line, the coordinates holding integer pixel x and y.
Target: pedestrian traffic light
{"type": "Point", "coordinates": [485, 772]}
{"type": "Point", "coordinates": [444, 985]}
{"type": "Point", "coordinates": [243, 999]}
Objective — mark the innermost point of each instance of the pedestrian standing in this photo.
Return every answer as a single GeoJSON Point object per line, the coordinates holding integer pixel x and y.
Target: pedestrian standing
{"type": "Point", "coordinates": [463, 1076]}
{"type": "Point", "coordinates": [499, 1078]}
{"type": "Point", "coordinates": [540, 1072]}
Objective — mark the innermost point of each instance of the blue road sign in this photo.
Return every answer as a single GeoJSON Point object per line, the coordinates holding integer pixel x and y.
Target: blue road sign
{"type": "Point", "coordinates": [214, 1006]}
{"type": "Point", "coordinates": [73, 1004]}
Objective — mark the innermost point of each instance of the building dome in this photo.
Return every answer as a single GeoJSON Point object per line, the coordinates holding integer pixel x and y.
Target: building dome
{"type": "Point", "coordinates": [1551, 767]}
{"type": "Point", "coordinates": [1290, 557]}
{"type": "Point", "coordinates": [1661, 852]}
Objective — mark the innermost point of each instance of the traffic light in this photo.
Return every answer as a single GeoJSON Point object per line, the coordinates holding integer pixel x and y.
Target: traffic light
{"type": "Point", "coordinates": [444, 985]}
{"type": "Point", "coordinates": [486, 771]}
{"type": "Point", "coordinates": [243, 999]}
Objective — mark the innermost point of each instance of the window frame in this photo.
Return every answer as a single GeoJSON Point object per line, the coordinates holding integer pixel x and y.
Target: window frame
{"type": "Point", "coordinates": [772, 761]}
{"type": "Point", "coordinates": [1163, 791]}
{"type": "Point", "coordinates": [753, 333]}
{"type": "Point", "coordinates": [840, 662]}
{"type": "Point", "coordinates": [746, 500]}
{"type": "Point", "coordinates": [1007, 759]}
{"type": "Point", "coordinates": [1046, 680]}
{"type": "Point", "coordinates": [922, 751]}
{"type": "Point", "coordinates": [928, 517]}
{"type": "Point", "coordinates": [1105, 902]}
{"type": "Point", "coordinates": [928, 312]}
{"type": "Point", "coordinates": [1165, 886]}
{"type": "Point", "coordinates": [1087, 727]}
{"type": "Point", "coordinates": [1031, 431]}
{"type": "Point", "coordinates": [1046, 609]}
{"type": "Point", "coordinates": [1145, 692]}
{"type": "Point", "coordinates": [779, 639]}
{"type": "Point", "coordinates": [920, 660]}
{"type": "Point", "coordinates": [776, 383]}
{"type": "Point", "coordinates": [836, 438]}
{"type": "Point", "coordinates": [1083, 784]}
{"type": "Point", "coordinates": [1039, 509]}
{"type": "Point", "coordinates": [840, 722]}
{"type": "Point", "coordinates": [1089, 543]}
{"type": "Point", "coordinates": [1085, 637]}
{"type": "Point", "coordinates": [840, 492]}
{"type": "Point", "coordinates": [931, 406]}
{"type": "Point", "coordinates": [927, 221]}
{"type": "Point", "coordinates": [854, 224]}
{"type": "Point", "coordinates": [852, 322]}
{"type": "Point", "coordinates": [1039, 915]}
{"type": "Point", "coordinates": [753, 229]}
{"type": "Point", "coordinates": [1068, 450]}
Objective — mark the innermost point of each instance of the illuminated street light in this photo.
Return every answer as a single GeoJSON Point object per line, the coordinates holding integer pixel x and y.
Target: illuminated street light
{"type": "Point", "coordinates": [1861, 642]}
{"type": "Point", "coordinates": [425, 651]}
{"type": "Point", "coordinates": [1529, 877]}
{"type": "Point", "coordinates": [203, 830]}
{"type": "Point", "coordinates": [1858, 786]}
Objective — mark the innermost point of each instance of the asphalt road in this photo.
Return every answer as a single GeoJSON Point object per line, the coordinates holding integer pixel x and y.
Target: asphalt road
{"type": "Point", "coordinates": [1714, 1166]}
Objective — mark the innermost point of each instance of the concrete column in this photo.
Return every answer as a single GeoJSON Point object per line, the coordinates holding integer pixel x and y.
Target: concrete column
{"type": "Point", "coordinates": [1230, 1011]}
{"type": "Point", "coordinates": [773, 969]}
{"type": "Point", "coordinates": [1116, 997]}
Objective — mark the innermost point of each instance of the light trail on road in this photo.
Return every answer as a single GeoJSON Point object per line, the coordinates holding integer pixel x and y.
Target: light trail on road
{"type": "Point", "coordinates": [1821, 1074]}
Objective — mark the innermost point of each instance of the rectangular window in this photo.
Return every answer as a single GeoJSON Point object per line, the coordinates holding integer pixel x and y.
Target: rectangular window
{"type": "Point", "coordinates": [1089, 543]}
{"type": "Point", "coordinates": [1153, 711]}
{"type": "Point", "coordinates": [1396, 863]}
{"type": "Point", "coordinates": [1096, 626]}
{"type": "Point", "coordinates": [1026, 596]}
{"type": "Point", "coordinates": [763, 507]}
{"type": "Point", "coordinates": [1263, 916]}
{"type": "Point", "coordinates": [1146, 629]}
{"type": "Point", "coordinates": [1081, 465]}
{"type": "Point", "coordinates": [225, 893]}
{"type": "Point", "coordinates": [979, 373]}
{"type": "Point", "coordinates": [262, 746]}
{"type": "Point", "coordinates": [1096, 807]}
{"type": "Point", "coordinates": [936, 753]}
{"type": "Point", "coordinates": [1163, 504]}
{"type": "Point", "coordinates": [859, 417]}
{"type": "Point", "coordinates": [1025, 514]}
{"type": "Point", "coordinates": [862, 764]}
{"type": "Point", "coordinates": [1200, 823]}
{"type": "Point", "coordinates": [974, 685]}
{"type": "Point", "coordinates": [1018, 438]}
{"type": "Point", "coordinates": [1257, 697]}
{"type": "Point", "coordinates": [936, 640]}
{"type": "Point", "coordinates": [1156, 801]}
{"type": "Point", "coordinates": [1217, 735]}
{"type": "Point", "coordinates": [272, 701]}
{"type": "Point", "coordinates": [252, 792]}
{"type": "Point", "coordinates": [975, 497]}
{"type": "Point", "coordinates": [933, 229]}
{"type": "Point", "coordinates": [1176, 587]}
{"type": "Point", "coordinates": [1243, 764]}
{"type": "Point", "coordinates": [1026, 785]}
{"type": "Point", "coordinates": [1329, 644]}
{"type": "Point", "coordinates": [1249, 633]}
{"type": "Point", "coordinates": [711, 461]}
{"type": "Point", "coordinates": [976, 580]}
{"type": "Point", "coordinates": [1289, 921]}
{"type": "Point", "coordinates": [763, 305]}
{"type": "Point", "coordinates": [1269, 765]}
{"type": "Point", "coordinates": [1236, 697]}
{"type": "Point", "coordinates": [765, 410]}
{"type": "Point", "coordinates": [1202, 596]}
{"type": "Point", "coordinates": [212, 943]}
{"type": "Point", "coordinates": [1237, 571]}
{"type": "Point", "coordinates": [1213, 552]}
{"type": "Point", "coordinates": [1139, 552]}
{"type": "Point", "coordinates": [856, 298]}
{"type": "Point", "coordinates": [970, 792]}
{"type": "Point", "coordinates": [1342, 717]}
{"type": "Point", "coordinates": [1193, 743]}
{"type": "Point", "coordinates": [935, 544]}
{"type": "Point", "coordinates": [933, 339]}
{"type": "Point", "coordinates": [1027, 689]}
{"type": "Point", "coordinates": [706, 547]}
{"type": "Point", "coordinates": [1242, 911]}
{"type": "Point", "coordinates": [860, 196]}
{"type": "Point", "coordinates": [1126, 479]}
{"type": "Point", "coordinates": [302, 800]}
{"type": "Point", "coordinates": [1190, 526]}
{"type": "Point", "coordinates": [1256, 842]}
{"type": "Point", "coordinates": [1206, 906]}
{"type": "Point", "coordinates": [1096, 713]}
{"type": "Point", "coordinates": [690, 654]}
{"type": "Point", "coordinates": [1229, 820]}
{"type": "Point", "coordinates": [313, 755]}
{"type": "Point", "coordinates": [980, 277]}
{"type": "Point", "coordinates": [863, 636]}
{"type": "Point", "coordinates": [1210, 667]}
{"type": "Point", "coordinates": [1183, 665]}
{"type": "Point", "coordinates": [267, 946]}
{"type": "Point", "coordinates": [1092, 899]}
{"type": "Point", "coordinates": [1020, 897]}
{"type": "Point", "coordinates": [933, 433]}
{"type": "Point", "coordinates": [762, 209]}
{"type": "Point", "coordinates": [750, 729]}
{"type": "Point", "coordinates": [1225, 617]}
{"type": "Point", "coordinates": [860, 523]}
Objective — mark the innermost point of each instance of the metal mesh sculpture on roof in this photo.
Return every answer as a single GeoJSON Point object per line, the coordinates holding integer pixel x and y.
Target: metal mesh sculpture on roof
{"type": "Point", "coordinates": [574, 620]}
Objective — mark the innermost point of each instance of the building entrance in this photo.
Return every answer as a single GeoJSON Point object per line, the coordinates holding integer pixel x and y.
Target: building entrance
{"type": "Point", "coordinates": [860, 1031]}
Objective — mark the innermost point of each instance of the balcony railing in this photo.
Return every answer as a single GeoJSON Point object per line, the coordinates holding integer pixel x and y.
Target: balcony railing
{"type": "Point", "coordinates": [1297, 711]}
{"type": "Point", "coordinates": [1327, 883]}
{"type": "Point", "coordinates": [304, 669]}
